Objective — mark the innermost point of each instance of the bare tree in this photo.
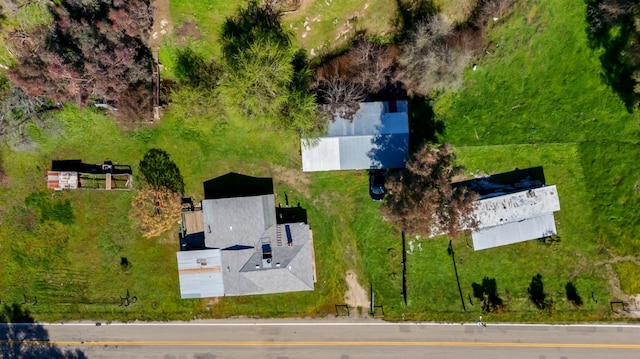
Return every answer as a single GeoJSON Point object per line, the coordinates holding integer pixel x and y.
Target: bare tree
{"type": "Point", "coordinates": [18, 109]}
{"type": "Point", "coordinates": [342, 82]}
{"type": "Point", "coordinates": [422, 200]}
{"type": "Point", "coordinates": [373, 64]}
{"type": "Point", "coordinates": [431, 59]}
{"type": "Point", "coordinates": [341, 98]}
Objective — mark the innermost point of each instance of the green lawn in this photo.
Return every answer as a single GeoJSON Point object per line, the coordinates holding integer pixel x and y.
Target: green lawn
{"type": "Point", "coordinates": [538, 87]}
{"type": "Point", "coordinates": [537, 100]}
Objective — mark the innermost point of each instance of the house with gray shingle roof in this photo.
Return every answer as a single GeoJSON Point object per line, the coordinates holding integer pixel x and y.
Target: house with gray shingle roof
{"type": "Point", "coordinates": [251, 246]}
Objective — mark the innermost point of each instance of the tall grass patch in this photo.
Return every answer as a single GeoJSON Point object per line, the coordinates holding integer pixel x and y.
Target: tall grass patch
{"type": "Point", "coordinates": [612, 177]}
{"type": "Point", "coordinates": [629, 274]}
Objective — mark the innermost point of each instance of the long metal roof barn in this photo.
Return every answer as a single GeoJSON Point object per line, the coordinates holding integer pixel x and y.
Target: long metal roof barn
{"type": "Point", "coordinates": [377, 137]}
{"type": "Point", "coordinates": [515, 217]}
{"type": "Point", "coordinates": [515, 232]}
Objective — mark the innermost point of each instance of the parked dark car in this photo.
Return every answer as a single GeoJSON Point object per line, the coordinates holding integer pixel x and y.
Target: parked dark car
{"type": "Point", "coordinates": [376, 185]}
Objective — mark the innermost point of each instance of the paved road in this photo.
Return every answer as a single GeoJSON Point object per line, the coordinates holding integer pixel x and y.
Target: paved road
{"type": "Point", "coordinates": [319, 339]}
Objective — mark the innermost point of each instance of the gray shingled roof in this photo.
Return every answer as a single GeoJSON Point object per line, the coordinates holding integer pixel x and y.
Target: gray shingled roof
{"type": "Point", "coordinates": [237, 221]}
{"type": "Point", "coordinates": [249, 276]}
{"type": "Point", "coordinates": [237, 228]}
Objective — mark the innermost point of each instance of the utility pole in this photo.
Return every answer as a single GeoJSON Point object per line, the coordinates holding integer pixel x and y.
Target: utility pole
{"type": "Point", "coordinates": [453, 258]}
{"type": "Point", "coordinates": [404, 270]}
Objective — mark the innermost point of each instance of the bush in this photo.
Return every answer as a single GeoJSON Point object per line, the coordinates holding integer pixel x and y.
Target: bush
{"type": "Point", "coordinates": [431, 58]}
{"type": "Point", "coordinates": [159, 171]}
{"type": "Point", "coordinates": [155, 210]}
{"type": "Point", "coordinates": [18, 110]}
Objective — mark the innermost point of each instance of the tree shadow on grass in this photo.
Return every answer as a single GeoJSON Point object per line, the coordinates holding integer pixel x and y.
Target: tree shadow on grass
{"type": "Point", "coordinates": [572, 294]}
{"type": "Point", "coordinates": [537, 293]}
{"type": "Point", "coordinates": [410, 13]}
{"type": "Point", "coordinates": [21, 337]}
{"type": "Point", "coordinates": [423, 124]}
{"type": "Point", "coordinates": [487, 292]}
{"type": "Point", "coordinates": [255, 22]}
{"type": "Point", "coordinates": [612, 29]}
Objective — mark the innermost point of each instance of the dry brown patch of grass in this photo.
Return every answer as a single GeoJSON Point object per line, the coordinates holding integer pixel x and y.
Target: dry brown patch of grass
{"type": "Point", "coordinates": [189, 29]}
{"type": "Point", "coordinates": [297, 180]}
{"type": "Point", "coordinates": [155, 211]}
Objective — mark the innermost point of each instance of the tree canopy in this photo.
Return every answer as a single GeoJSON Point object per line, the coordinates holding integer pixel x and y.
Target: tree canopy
{"type": "Point", "coordinates": [266, 78]}
{"type": "Point", "coordinates": [260, 77]}
{"type": "Point", "coordinates": [95, 50]}
{"type": "Point", "coordinates": [421, 198]}
{"type": "Point", "coordinates": [159, 171]}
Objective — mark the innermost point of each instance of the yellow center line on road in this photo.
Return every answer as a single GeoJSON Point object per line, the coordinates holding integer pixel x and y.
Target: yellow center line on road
{"type": "Point", "coordinates": [328, 343]}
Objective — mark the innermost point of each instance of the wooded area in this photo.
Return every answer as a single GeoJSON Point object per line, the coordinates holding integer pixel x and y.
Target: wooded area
{"type": "Point", "coordinates": [94, 52]}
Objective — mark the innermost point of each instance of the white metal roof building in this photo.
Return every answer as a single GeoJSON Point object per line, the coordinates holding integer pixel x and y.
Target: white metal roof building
{"type": "Point", "coordinates": [515, 217]}
{"type": "Point", "coordinates": [377, 137]}
{"type": "Point", "coordinates": [515, 232]}
{"type": "Point", "coordinates": [200, 274]}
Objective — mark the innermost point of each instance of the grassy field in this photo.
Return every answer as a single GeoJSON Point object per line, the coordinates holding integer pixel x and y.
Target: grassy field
{"type": "Point", "coordinates": [537, 100]}
{"type": "Point", "coordinates": [543, 89]}
{"type": "Point", "coordinates": [321, 26]}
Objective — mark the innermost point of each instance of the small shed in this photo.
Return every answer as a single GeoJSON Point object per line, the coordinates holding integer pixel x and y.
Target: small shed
{"type": "Point", "coordinates": [59, 180]}
{"type": "Point", "coordinates": [74, 174]}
